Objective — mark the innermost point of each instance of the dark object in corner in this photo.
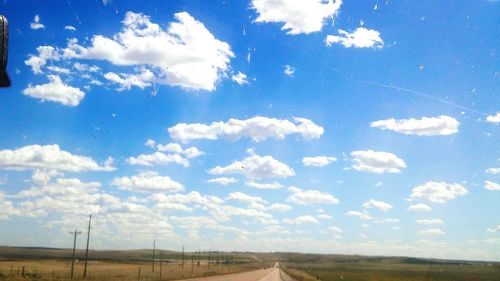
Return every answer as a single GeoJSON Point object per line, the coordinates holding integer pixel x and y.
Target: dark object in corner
{"type": "Point", "coordinates": [4, 51]}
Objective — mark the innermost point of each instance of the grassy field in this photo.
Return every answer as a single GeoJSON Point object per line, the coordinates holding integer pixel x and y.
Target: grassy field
{"type": "Point", "coordinates": [357, 268]}
{"type": "Point", "coordinates": [54, 264]}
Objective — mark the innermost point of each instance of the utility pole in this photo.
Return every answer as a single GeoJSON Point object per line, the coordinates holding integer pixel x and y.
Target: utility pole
{"type": "Point", "coordinates": [183, 257]}
{"type": "Point", "coordinates": [161, 268]}
{"type": "Point", "coordinates": [87, 249]}
{"type": "Point", "coordinates": [192, 262]}
{"type": "Point", "coordinates": [154, 248]}
{"type": "Point", "coordinates": [75, 233]}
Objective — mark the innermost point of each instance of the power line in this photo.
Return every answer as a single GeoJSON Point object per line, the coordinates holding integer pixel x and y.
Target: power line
{"type": "Point", "coordinates": [75, 233]}
{"type": "Point", "coordinates": [87, 249]}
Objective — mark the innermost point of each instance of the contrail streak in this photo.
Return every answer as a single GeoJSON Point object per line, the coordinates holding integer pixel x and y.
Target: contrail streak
{"type": "Point", "coordinates": [425, 95]}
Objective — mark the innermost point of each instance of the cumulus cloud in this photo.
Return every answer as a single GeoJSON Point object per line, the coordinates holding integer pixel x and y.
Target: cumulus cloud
{"type": "Point", "coordinates": [419, 207]}
{"type": "Point", "coordinates": [158, 158]}
{"type": "Point", "coordinates": [426, 126]}
{"type": "Point", "coordinates": [289, 70]}
{"type": "Point", "coordinates": [55, 91]}
{"type": "Point", "coordinates": [144, 78]}
{"type": "Point", "coordinates": [240, 78]}
{"type": "Point", "coordinates": [489, 185]}
{"type": "Point", "coordinates": [280, 207]}
{"type": "Point", "coordinates": [301, 219]}
{"type": "Point", "coordinates": [70, 28]}
{"type": "Point", "coordinates": [257, 128]}
{"type": "Point", "coordinates": [184, 54]}
{"type": "Point", "coordinates": [494, 229]}
{"type": "Point", "coordinates": [361, 215]}
{"type": "Point", "coordinates": [245, 198]}
{"type": "Point", "coordinates": [49, 157]}
{"type": "Point", "coordinates": [429, 221]}
{"type": "Point", "coordinates": [223, 180]}
{"type": "Point", "coordinates": [148, 182]}
{"type": "Point", "coordinates": [256, 167]}
{"type": "Point", "coordinates": [377, 162]}
{"type": "Point", "coordinates": [190, 152]}
{"type": "Point", "coordinates": [432, 231]}
{"type": "Point", "coordinates": [260, 185]}
{"type": "Point", "coordinates": [382, 206]}
{"type": "Point", "coordinates": [297, 16]}
{"type": "Point", "coordinates": [318, 161]}
{"type": "Point", "coordinates": [493, 170]}
{"type": "Point", "coordinates": [45, 54]}
{"type": "Point", "coordinates": [310, 197]}
{"type": "Point", "coordinates": [36, 24]}
{"type": "Point", "coordinates": [360, 38]}
{"type": "Point", "coordinates": [438, 192]}
{"type": "Point", "coordinates": [494, 118]}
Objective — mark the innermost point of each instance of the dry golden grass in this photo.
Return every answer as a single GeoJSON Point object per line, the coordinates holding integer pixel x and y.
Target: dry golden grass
{"type": "Point", "coordinates": [116, 271]}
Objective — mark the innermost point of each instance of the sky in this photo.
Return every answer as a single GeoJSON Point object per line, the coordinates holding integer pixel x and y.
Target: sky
{"type": "Point", "coordinates": [351, 127]}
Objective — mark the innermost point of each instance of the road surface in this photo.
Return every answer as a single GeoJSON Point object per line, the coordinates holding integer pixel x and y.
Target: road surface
{"type": "Point", "coordinates": [270, 274]}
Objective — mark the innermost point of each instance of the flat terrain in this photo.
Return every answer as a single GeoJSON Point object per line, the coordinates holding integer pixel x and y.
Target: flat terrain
{"type": "Point", "coordinates": [269, 274]}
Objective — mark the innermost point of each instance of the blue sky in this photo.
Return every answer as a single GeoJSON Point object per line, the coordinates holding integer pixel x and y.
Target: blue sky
{"type": "Point", "coordinates": [367, 127]}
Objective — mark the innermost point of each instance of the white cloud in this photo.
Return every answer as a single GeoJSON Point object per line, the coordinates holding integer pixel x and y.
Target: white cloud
{"type": "Point", "coordinates": [149, 182]}
{"type": "Point", "coordinates": [185, 54]}
{"type": "Point", "coordinates": [335, 229]}
{"type": "Point", "coordinates": [493, 171]}
{"type": "Point", "coordinates": [257, 128]}
{"type": "Point", "coordinates": [7, 209]}
{"type": "Point", "coordinates": [426, 126]}
{"type": "Point", "coordinates": [55, 91]}
{"type": "Point", "coordinates": [158, 158]}
{"type": "Point", "coordinates": [289, 70]}
{"type": "Point", "coordinates": [190, 152]}
{"type": "Point", "coordinates": [260, 185]}
{"type": "Point", "coordinates": [382, 206]}
{"type": "Point", "coordinates": [494, 118]}
{"type": "Point", "coordinates": [432, 231]}
{"type": "Point", "coordinates": [49, 157]}
{"type": "Point", "coordinates": [144, 78]}
{"type": "Point", "coordinates": [310, 197]}
{"type": "Point", "coordinates": [240, 78]}
{"type": "Point", "coordinates": [59, 69]}
{"type": "Point", "coordinates": [360, 38]}
{"type": "Point", "coordinates": [429, 221]}
{"type": "Point", "coordinates": [438, 192]}
{"type": "Point", "coordinates": [377, 162]}
{"type": "Point", "coordinates": [494, 229]}
{"type": "Point", "coordinates": [419, 208]}
{"type": "Point", "coordinates": [361, 215]}
{"type": "Point", "coordinates": [245, 198]}
{"type": "Point", "coordinates": [45, 53]}
{"type": "Point", "coordinates": [318, 161]}
{"type": "Point", "coordinates": [256, 167]}
{"type": "Point", "coordinates": [85, 67]}
{"type": "Point", "coordinates": [70, 28]}
{"type": "Point", "coordinates": [491, 185]}
{"type": "Point", "coordinates": [301, 219]}
{"type": "Point", "coordinates": [324, 217]}
{"type": "Point", "coordinates": [223, 180]}
{"type": "Point", "coordinates": [297, 16]}
{"type": "Point", "coordinates": [280, 207]}
{"type": "Point", "coordinates": [36, 24]}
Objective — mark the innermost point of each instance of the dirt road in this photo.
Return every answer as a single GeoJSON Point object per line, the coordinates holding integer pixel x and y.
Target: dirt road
{"type": "Point", "coordinates": [270, 274]}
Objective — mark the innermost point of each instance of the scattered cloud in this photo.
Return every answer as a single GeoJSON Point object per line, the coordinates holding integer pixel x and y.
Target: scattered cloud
{"type": "Point", "coordinates": [494, 229]}
{"type": "Point", "coordinates": [257, 128]}
{"type": "Point", "coordinates": [426, 126]}
{"type": "Point", "coordinates": [419, 208]}
{"type": "Point", "coordinates": [361, 215]}
{"type": "Point", "coordinates": [360, 38]}
{"type": "Point", "coordinates": [297, 16]}
{"type": "Point", "coordinates": [280, 207]}
{"type": "Point", "coordinates": [142, 79]}
{"type": "Point", "coordinates": [301, 219]}
{"type": "Point", "coordinates": [382, 206]}
{"type": "Point", "coordinates": [310, 197]}
{"type": "Point", "coordinates": [49, 157]}
{"type": "Point", "coordinates": [318, 161]}
{"type": "Point", "coordinates": [438, 192]}
{"type": "Point", "coordinates": [240, 78]}
{"type": "Point", "coordinates": [148, 182]}
{"type": "Point", "coordinates": [377, 162]}
{"type": "Point", "coordinates": [494, 118]}
{"type": "Point", "coordinates": [489, 185]}
{"type": "Point", "coordinates": [245, 198]}
{"type": "Point", "coordinates": [261, 185]}
{"type": "Point", "coordinates": [158, 158]}
{"type": "Point", "coordinates": [36, 24]}
{"type": "Point", "coordinates": [45, 54]}
{"type": "Point", "coordinates": [55, 91]}
{"type": "Point", "coordinates": [70, 28]}
{"type": "Point", "coordinates": [493, 171]}
{"type": "Point", "coordinates": [429, 221]}
{"type": "Point", "coordinates": [223, 180]}
{"type": "Point", "coordinates": [256, 167]}
{"type": "Point", "coordinates": [289, 70]}
{"type": "Point", "coordinates": [431, 231]}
